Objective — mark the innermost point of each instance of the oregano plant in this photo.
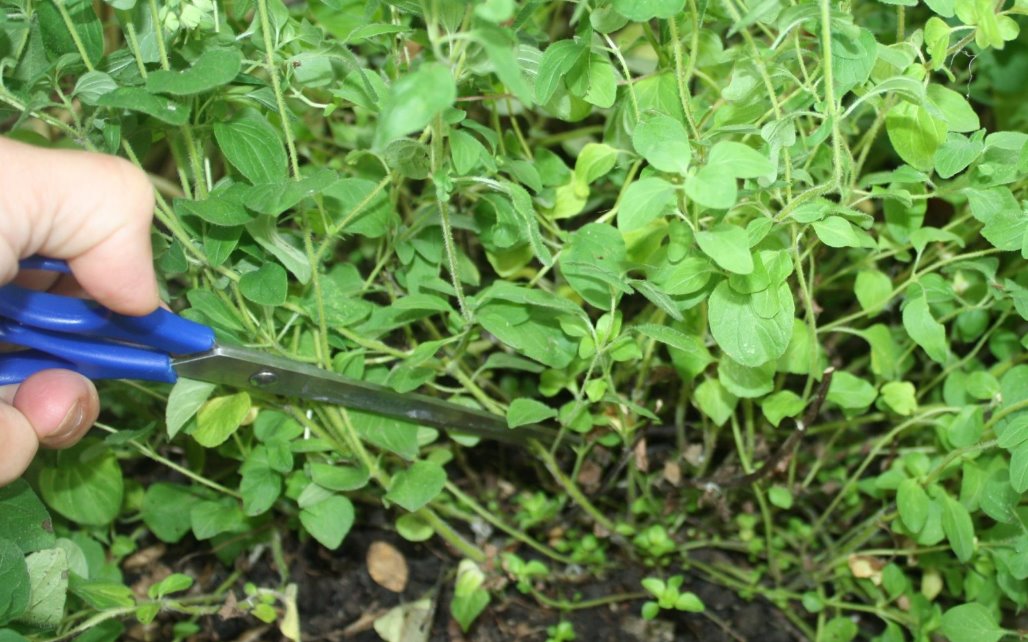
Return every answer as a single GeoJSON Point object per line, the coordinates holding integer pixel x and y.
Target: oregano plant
{"type": "Point", "coordinates": [757, 268]}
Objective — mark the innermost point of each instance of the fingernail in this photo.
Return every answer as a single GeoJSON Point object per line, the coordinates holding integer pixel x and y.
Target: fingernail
{"type": "Point", "coordinates": [70, 425]}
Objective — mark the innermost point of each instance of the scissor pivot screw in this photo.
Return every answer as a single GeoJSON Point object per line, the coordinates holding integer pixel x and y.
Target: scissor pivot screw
{"type": "Point", "coordinates": [263, 378]}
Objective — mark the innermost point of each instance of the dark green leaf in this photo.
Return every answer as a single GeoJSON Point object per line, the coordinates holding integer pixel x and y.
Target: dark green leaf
{"type": "Point", "coordinates": [417, 485]}
{"type": "Point", "coordinates": [413, 101]}
{"type": "Point", "coordinates": [268, 285]}
{"type": "Point", "coordinates": [253, 147]}
{"type": "Point", "coordinates": [86, 486]}
{"type": "Point", "coordinates": [26, 521]}
{"type": "Point", "coordinates": [214, 68]}
{"type": "Point", "coordinates": [136, 99]}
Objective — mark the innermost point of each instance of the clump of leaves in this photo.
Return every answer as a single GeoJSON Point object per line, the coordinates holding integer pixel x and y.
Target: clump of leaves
{"type": "Point", "coordinates": [652, 224]}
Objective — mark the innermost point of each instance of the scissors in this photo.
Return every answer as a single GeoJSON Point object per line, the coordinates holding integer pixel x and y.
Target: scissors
{"type": "Point", "coordinates": [83, 336]}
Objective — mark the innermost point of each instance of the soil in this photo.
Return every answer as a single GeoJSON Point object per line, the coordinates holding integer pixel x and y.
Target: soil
{"type": "Point", "coordinates": [338, 600]}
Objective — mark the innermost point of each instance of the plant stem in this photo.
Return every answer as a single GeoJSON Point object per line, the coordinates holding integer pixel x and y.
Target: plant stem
{"type": "Point", "coordinates": [520, 536]}
{"type": "Point", "coordinates": [276, 87]}
{"type": "Point", "coordinates": [73, 32]}
{"type": "Point", "coordinates": [573, 491]}
{"type": "Point", "coordinates": [831, 105]}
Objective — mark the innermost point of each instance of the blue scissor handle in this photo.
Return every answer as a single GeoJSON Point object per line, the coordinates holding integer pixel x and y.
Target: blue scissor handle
{"type": "Point", "coordinates": [68, 333]}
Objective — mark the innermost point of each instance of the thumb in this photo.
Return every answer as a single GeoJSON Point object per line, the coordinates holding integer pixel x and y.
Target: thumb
{"type": "Point", "coordinates": [91, 209]}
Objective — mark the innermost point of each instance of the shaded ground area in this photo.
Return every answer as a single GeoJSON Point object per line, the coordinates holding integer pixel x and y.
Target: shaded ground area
{"type": "Point", "coordinates": [339, 600]}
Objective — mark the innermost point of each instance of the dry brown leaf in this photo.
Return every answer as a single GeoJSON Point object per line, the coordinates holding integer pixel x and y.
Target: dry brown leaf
{"type": "Point", "coordinates": [387, 566]}
{"type": "Point", "coordinates": [866, 567]}
{"type": "Point", "coordinates": [642, 460]}
{"type": "Point", "coordinates": [672, 473]}
{"type": "Point", "coordinates": [589, 477]}
{"type": "Point", "coordinates": [144, 558]}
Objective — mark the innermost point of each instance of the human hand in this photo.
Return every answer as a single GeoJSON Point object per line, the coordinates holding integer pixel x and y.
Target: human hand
{"type": "Point", "coordinates": [94, 211]}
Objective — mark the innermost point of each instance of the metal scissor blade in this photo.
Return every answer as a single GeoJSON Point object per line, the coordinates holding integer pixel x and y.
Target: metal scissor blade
{"type": "Point", "coordinates": [253, 370]}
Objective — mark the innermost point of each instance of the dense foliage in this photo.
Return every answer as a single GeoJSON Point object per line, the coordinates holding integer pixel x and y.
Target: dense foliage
{"type": "Point", "coordinates": [657, 225]}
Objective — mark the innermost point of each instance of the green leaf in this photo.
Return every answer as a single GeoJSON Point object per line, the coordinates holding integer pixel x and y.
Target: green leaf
{"type": "Point", "coordinates": [645, 200]}
{"type": "Point", "coordinates": [644, 10]}
{"type": "Point", "coordinates": [25, 520]}
{"type": "Point", "coordinates": [746, 382]}
{"type": "Point", "coordinates": [1019, 467]}
{"type": "Point", "coordinates": [953, 108]}
{"type": "Point", "coordinates": [835, 231]}
{"type": "Point", "coordinates": [174, 583]}
{"type": "Point", "coordinates": [965, 429]}
{"type": "Point", "coordinates": [686, 276]}
{"type": "Point", "coordinates": [212, 518]}
{"type": "Point", "coordinates": [839, 629]}
{"type": "Point", "coordinates": [602, 81]}
{"type": "Point", "coordinates": [971, 623]}
{"type": "Point", "coordinates": [900, 396]}
{"type": "Point", "coordinates": [956, 154]}
{"type": "Point", "coordinates": [915, 134]}
{"type": "Point", "coordinates": [339, 478]}
{"type": "Point", "coordinates": [413, 528]}
{"type": "Point", "coordinates": [469, 598]}
{"type": "Point", "coordinates": [873, 290]}
{"type": "Point", "coordinates": [185, 399]}
{"type": "Point", "coordinates": [312, 69]}
{"type": "Point", "coordinates": [86, 485]}
{"type": "Point", "coordinates": [663, 142]}
{"type": "Point", "coordinates": [214, 68]}
{"type": "Point", "coordinates": [329, 520]}
{"type": "Point", "coordinates": [1010, 433]}
{"type": "Point", "coordinates": [164, 506]}
{"type": "Point", "coordinates": [48, 577]}
{"type": "Point", "coordinates": [219, 418]}
{"type": "Point", "coordinates": [501, 48]}
{"type": "Point", "coordinates": [92, 85]}
{"type": "Point", "coordinates": [728, 245]}
{"type": "Point", "coordinates": [253, 147]}
{"type": "Point", "coordinates": [214, 309]}
{"type": "Point", "coordinates": [413, 101]}
{"type": "Point", "coordinates": [744, 330]}
{"type": "Point", "coordinates": [58, 40]}
{"type": "Point", "coordinates": [214, 210]}
{"type": "Point", "coordinates": [360, 207]}
{"type": "Point", "coordinates": [1005, 221]}
{"type": "Point", "coordinates": [594, 161]}
{"type": "Point", "coordinates": [393, 435]}
{"type": "Point", "coordinates": [689, 602]}
{"type": "Point", "coordinates": [912, 502]}
{"type": "Point", "coordinates": [924, 329]}
{"type": "Point", "coordinates": [14, 581]}
{"type": "Point", "coordinates": [780, 496]}
{"type": "Point", "coordinates": [528, 411]}
{"type": "Point", "coordinates": [139, 100]}
{"type": "Point", "coordinates": [263, 230]}
{"type": "Point", "coordinates": [851, 392]}
{"type": "Point", "coordinates": [714, 401]}
{"type": "Point", "coordinates": [782, 404]}
{"type": "Point", "coordinates": [556, 62]}
{"type": "Point", "coordinates": [267, 285]}
{"type": "Point", "coordinates": [465, 150]}
{"type": "Point", "coordinates": [956, 523]}
{"type": "Point", "coordinates": [592, 264]}
{"type": "Point", "coordinates": [261, 484]}
{"type": "Point", "coordinates": [936, 38]}
{"type": "Point", "coordinates": [738, 160]}
{"type": "Point", "coordinates": [417, 485]}
{"type": "Point", "coordinates": [712, 187]}
{"type": "Point", "coordinates": [274, 198]}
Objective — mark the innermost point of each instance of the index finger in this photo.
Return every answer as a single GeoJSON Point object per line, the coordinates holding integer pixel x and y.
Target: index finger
{"type": "Point", "coordinates": [91, 209]}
